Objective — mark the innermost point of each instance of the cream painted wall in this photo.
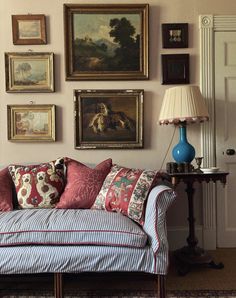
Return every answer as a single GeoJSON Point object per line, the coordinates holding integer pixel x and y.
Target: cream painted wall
{"type": "Point", "coordinates": [157, 138]}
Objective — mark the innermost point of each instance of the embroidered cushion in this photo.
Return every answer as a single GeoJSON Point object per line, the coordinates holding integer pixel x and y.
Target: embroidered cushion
{"type": "Point", "coordinates": [38, 186]}
{"type": "Point", "coordinates": [125, 190]}
{"type": "Point", "coordinates": [6, 186]}
{"type": "Point", "coordinates": [83, 184]}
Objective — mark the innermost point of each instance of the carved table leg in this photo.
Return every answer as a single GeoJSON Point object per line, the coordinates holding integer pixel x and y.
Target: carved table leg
{"type": "Point", "coordinates": [58, 285]}
{"type": "Point", "coordinates": [161, 284]}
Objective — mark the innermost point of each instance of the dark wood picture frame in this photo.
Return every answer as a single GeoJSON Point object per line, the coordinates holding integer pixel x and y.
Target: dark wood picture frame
{"type": "Point", "coordinates": [106, 119]}
{"type": "Point", "coordinates": [175, 35]}
{"type": "Point", "coordinates": [29, 29]}
{"type": "Point", "coordinates": [96, 37]}
{"type": "Point", "coordinates": [175, 69]}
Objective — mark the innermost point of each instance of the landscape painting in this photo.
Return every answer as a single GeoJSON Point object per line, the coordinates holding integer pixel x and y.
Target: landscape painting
{"type": "Point", "coordinates": [109, 118]}
{"type": "Point", "coordinates": [29, 72]}
{"type": "Point", "coordinates": [31, 122]}
{"type": "Point", "coordinates": [29, 29]}
{"type": "Point", "coordinates": [106, 42]}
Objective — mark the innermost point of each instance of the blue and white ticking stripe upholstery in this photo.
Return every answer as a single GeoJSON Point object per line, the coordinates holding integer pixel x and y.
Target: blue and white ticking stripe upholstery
{"type": "Point", "coordinates": [152, 258]}
{"type": "Point", "coordinates": [69, 227]}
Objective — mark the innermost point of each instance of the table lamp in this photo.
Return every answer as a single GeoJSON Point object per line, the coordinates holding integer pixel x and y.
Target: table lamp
{"type": "Point", "coordinates": [183, 105]}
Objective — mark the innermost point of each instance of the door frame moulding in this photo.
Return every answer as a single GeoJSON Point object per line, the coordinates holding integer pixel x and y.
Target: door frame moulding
{"type": "Point", "coordinates": [209, 24]}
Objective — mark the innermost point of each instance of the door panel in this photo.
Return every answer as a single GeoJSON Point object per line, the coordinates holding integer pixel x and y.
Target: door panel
{"type": "Point", "coordinates": [225, 103]}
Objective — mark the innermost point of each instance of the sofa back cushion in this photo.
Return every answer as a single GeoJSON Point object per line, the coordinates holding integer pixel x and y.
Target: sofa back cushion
{"type": "Point", "coordinates": [69, 227]}
{"type": "Point", "coordinates": [125, 190]}
{"type": "Point", "coordinates": [83, 184]}
{"type": "Point", "coordinates": [38, 186]}
{"type": "Point", "coordinates": [6, 186]}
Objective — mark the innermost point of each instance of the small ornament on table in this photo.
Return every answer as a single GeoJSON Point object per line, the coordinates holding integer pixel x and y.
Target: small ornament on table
{"type": "Point", "coordinates": [198, 162]}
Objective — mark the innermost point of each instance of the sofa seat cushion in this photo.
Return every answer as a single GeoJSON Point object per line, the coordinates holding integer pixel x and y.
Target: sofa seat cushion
{"type": "Point", "coordinates": [69, 227]}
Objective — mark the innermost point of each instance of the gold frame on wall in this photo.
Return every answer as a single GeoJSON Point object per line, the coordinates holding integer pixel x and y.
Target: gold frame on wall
{"type": "Point", "coordinates": [29, 29]}
{"type": "Point", "coordinates": [29, 72]}
{"type": "Point", "coordinates": [90, 54]}
{"type": "Point", "coordinates": [108, 119]}
{"type": "Point", "coordinates": [31, 122]}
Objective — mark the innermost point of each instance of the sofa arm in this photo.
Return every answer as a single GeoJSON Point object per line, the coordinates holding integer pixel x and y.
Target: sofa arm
{"type": "Point", "coordinates": [159, 200]}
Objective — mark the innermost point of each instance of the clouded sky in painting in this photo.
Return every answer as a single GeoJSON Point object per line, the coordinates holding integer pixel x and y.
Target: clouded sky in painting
{"type": "Point", "coordinates": [96, 26]}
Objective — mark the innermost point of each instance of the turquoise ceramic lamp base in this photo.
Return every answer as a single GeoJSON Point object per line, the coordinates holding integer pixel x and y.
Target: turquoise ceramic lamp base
{"type": "Point", "coordinates": [183, 151]}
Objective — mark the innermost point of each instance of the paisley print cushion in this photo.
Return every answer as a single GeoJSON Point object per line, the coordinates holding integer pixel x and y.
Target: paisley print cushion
{"type": "Point", "coordinates": [38, 186]}
{"type": "Point", "coordinates": [125, 190]}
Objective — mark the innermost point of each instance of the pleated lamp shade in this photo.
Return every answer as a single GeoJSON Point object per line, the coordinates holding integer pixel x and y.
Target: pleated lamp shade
{"type": "Point", "coordinates": [183, 104]}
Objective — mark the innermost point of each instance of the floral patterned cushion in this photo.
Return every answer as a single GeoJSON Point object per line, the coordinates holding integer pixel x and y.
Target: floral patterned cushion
{"type": "Point", "coordinates": [38, 186]}
{"type": "Point", "coordinates": [125, 190]}
{"type": "Point", "coordinates": [83, 184]}
{"type": "Point", "coordinates": [6, 186]}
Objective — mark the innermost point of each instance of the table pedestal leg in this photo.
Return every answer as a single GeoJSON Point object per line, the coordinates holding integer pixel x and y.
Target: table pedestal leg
{"type": "Point", "coordinates": [191, 254]}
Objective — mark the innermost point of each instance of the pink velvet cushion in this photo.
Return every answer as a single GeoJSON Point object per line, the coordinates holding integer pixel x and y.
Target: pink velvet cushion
{"type": "Point", "coordinates": [6, 185]}
{"type": "Point", "coordinates": [83, 184]}
{"type": "Point", "coordinates": [126, 190]}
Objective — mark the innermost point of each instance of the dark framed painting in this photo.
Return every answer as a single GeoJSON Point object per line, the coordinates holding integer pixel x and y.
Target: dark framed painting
{"type": "Point", "coordinates": [106, 41]}
{"type": "Point", "coordinates": [31, 122]}
{"type": "Point", "coordinates": [175, 69]}
{"type": "Point", "coordinates": [108, 119]}
{"type": "Point", "coordinates": [175, 35]}
{"type": "Point", "coordinates": [29, 72]}
{"type": "Point", "coordinates": [29, 29]}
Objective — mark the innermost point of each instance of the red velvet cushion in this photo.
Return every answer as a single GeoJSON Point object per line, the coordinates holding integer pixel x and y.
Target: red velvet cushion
{"type": "Point", "coordinates": [38, 186]}
{"type": "Point", "coordinates": [126, 190]}
{"type": "Point", "coordinates": [6, 185]}
{"type": "Point", "coordinates": [83, 184]}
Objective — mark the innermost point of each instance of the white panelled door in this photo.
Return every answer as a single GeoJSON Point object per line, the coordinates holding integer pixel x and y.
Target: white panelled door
{"type": "Point", "coordinates": [225, 104]}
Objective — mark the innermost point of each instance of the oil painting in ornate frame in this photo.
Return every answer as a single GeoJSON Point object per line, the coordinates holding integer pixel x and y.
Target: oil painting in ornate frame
{"type": "Point", "coordinates": [108, 119]}
{"type": "Point", "coordinates": [29, 72]}
{"type": "Point", "coordinates": [31, 122]}
{"type": "Point", "coordinates": [106, 41]}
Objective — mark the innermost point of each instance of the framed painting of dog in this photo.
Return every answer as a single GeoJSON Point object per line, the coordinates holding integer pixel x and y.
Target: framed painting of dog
{"type": "Point", "coordinates": [106, 41]}
{"type": "Point", "coordinates": [31, 122]}
{"type": "Point", "coordinates": [108, 119]}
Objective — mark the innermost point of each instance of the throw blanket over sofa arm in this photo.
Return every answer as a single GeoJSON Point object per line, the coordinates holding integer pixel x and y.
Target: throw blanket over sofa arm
{"type": "Point", "coordinates": [159, 200]}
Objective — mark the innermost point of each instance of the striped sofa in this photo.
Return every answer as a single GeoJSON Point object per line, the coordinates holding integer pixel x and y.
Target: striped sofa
{"type": "Point", "coordinates": [63, 241]}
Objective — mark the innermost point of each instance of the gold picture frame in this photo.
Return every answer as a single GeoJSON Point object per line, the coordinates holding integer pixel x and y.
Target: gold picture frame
{"type": "Point", "coordinates": [106, 41]}
{"type": "Point", "coordinates": [29, 29]}
{"type": "Point", "coordinates": [31, 122]}
{"type": "Point", "coordinates": [108, 119]}
{"type": "Point", "coordinates": [29, 71]}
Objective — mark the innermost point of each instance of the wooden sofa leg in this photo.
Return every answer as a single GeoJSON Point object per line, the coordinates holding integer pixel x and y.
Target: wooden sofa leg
{"type": "Point", "coordinates": [161, 286]}
{"type": "Point", "coordinates": [58, 286]}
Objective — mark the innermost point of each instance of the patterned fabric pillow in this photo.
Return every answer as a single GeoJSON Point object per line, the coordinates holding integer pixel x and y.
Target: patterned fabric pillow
{"type": "Point", "coordinates": [83, 184]}
{"type": "Point", "coordinates": [125, 190]}
{"type": "Point", "coordinates": [6, 187]}
{"type": "Point", "coordinates": [38, 186]}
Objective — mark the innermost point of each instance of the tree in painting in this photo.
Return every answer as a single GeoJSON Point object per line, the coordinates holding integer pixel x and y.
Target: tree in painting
{"type": "Point", "coordinates": [127, 54]}
{"type": "Point", "coordinates": [121, 54]}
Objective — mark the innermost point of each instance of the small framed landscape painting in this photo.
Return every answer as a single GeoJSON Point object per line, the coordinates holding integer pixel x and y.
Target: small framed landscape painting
{"type": "Point", "coordinates": [29, 29]}
{"type": "Point", "coordinates": [29, 72]}
{"type": "Point", "coordinates": [31, 122]}
{"type": "Point", "coordinates": [108, 119]}
{"type": "Point", "coordinates": [106, 41]}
